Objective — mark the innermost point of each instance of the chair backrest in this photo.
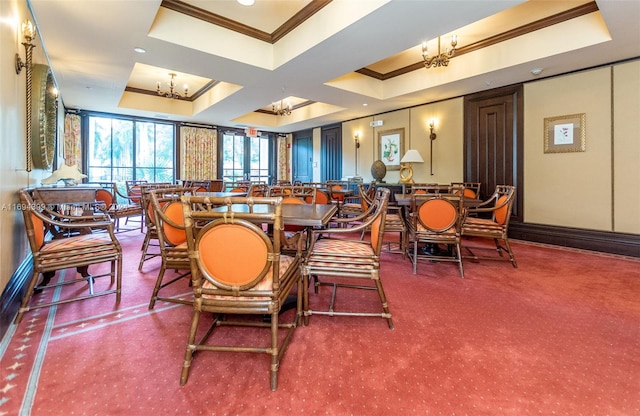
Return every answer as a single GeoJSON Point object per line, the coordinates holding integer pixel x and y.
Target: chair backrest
{"type": "Point", "coordinates": [202, 185]}
{"type": "Point", "coordinates": [366, 196]}
{"type": "Point", "coordinates": [230, 254]}
{"type": "Point", "coordinates": [305, 193]}
{"type": "Point", "coordinates": [106, 197]}
{"type": "Point", "coordinates": [504, 196]}
{"type": "Point", "coordinates": [470, 189]}
{"type": "Point", "coordinates": [322, 197]}
{"type": "Point", "coordinates": [145, 199]}
{"type": "Point", "coordinates": [438, 214]}
{"type": "Point", "coordinates": [167, 216]}
{"type": "Point", "coordinates": [259, 190]}
{"type": "Point", "coordinates": [377, 221]}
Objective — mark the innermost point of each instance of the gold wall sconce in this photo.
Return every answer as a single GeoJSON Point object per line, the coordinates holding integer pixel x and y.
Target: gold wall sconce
{"type": "Point", "coordinates": [432, 137]}
{"type": "Point", "coordinates": [29, 33]}
{"type": "Point", "coordinates": [356, 139]}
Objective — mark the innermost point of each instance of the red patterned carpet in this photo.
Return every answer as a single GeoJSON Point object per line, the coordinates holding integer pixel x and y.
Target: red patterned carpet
{"type": "Point", "coordinates": [559, 335]}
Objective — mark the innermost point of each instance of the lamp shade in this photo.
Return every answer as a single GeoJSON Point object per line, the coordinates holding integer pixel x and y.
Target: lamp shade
{"type": "Point", "coordinates": [412, 156]}
{"type": "Point", "coordinates": [66, 173]}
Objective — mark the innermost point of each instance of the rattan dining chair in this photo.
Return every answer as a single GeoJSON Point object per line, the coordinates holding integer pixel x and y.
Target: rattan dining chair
{"type": "Point", "coordinates": [107, 193]}
{"type": "Point", "coordinates": [338, 260]}
{"type": "Point", "coordinates": [237, 269]}
{"type": "Point", "coordinates": [87, 240]}
{"type": "Point", "coordinates": [498, 207]}
{"type": "Point", "coordinates": [151, 233]}
{"type": "Point", "coordinates": [172, 240]}
{"type": "Point", "coordinates": [434, 221]}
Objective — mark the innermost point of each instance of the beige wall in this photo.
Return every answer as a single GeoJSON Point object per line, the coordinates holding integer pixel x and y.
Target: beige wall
{"type": "Point", "coordinates": [595, 189]}
{"type": "Point", "coordinates": [13, 174]}
{"type": "Point", "coordinates": [447, 148]}
{"type": "Point", "coordinates": [626, 147]}
{"type": "Point", "coordinates": [581, 189]}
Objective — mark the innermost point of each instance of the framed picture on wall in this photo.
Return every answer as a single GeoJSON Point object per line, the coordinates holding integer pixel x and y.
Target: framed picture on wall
{"type": "Point", "coordinates": [565, 134]}
{"type": "Point", "coordinates": [391, 147]}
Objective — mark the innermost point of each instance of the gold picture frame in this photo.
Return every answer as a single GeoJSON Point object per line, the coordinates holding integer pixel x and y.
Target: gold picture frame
{"type": "Point", "coordinates": [391, 147]}
{"type": "Point", "coordinates": [564, 134]}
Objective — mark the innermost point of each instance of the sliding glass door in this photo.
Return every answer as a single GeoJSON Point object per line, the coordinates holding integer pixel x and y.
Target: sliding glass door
{"type": "Point", "coordinates": [247, 158]}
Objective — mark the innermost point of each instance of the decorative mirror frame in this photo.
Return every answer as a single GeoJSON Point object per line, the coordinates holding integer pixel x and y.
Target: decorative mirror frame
{"type": "Point", "coordinates": [44, 117]}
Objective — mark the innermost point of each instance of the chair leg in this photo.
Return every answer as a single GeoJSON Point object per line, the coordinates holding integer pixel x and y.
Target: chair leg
{"type": "Point", "coordinates": [156, 289]}
{"type": "Point", "coordinates": [383, 300]}
{"type": "Point", "coordinates": [191, 347]}
{"type": "Point", "coordinates": [459, 258]}
{"type": "Point", "coordinates": [415, 257]}
{"type": "Point", "coordinates": [511, 256]}
{"type": "Point", "coordinates": [274, 351]}
{"type": "Point", "coordinates": [27, 297]}
{"type": "Point", "coordinates": [305, 297]}
{"type": "Point", "coordinates": [145, 247]}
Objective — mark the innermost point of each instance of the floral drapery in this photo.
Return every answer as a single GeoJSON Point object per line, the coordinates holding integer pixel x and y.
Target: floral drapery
{"type": "Point", "coordinates": [72, 142]}
{"type": "Point", "coordinates": [283, 158]}
{"type": "Point", "coordinates": [198, 153]}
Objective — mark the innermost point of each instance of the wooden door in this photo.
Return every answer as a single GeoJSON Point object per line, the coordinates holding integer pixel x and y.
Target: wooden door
{"type": "Point", "coordinates": [331, 153]}
{"type": "Point", "coordinates": [302, 157]}
{"type": "Point", "coordinates": [493, 141]}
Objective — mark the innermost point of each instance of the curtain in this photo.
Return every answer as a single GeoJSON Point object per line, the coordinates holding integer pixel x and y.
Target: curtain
{"type": "Point", "coordinates": [72, 149]}
{"type": "Point", "coordinates": [198, 153]}
{"type": "Point", "coordinates": [282, 173]}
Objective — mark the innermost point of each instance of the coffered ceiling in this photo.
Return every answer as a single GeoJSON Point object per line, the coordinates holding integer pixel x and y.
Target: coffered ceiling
{"type": "Point", "coordinates": [333, 60]}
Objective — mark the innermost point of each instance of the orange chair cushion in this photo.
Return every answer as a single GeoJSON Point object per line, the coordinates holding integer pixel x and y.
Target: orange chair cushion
{"type": "Point", "coordinates": [104, 196]}
{"type": "Point", "coordinates": [174, 236]}
{"type": "Point", "coordinates": [322, 198]}
{"type": "Point", "coordinates": [501, 213]}
{"type": "Point", "coordinates": [38, 227]}
{"type": "Point", "coordinates": [438, 214]}
{"type": "Point", "coordinates": [233, 254]}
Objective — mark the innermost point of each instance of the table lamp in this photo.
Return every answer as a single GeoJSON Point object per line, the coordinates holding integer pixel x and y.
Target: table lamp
{"type": "Point", "coordinates": [70, 175]}
{"type": "Point", "coordinates": [406, 169]}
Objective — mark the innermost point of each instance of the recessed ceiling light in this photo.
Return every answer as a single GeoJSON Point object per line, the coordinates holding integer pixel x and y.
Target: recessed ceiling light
{"type": "Point", "coordinates": [246, 2]}
{"type": "Point", "coordinates": [139, 50]}
{"type": "Point", "coordinates": [537, 71]}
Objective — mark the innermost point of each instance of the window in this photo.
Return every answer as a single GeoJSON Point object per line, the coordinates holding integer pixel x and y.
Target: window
{"type": "Point", "coordinates": [120, 149]}
{"type": "Point", "coordinates": [247, 158]}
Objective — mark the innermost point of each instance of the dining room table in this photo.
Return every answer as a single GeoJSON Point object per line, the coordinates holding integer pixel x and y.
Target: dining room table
{"type": "Point", "coordinates": [305, 215]}
{"type": "Point", "coordinates": [405, 200]}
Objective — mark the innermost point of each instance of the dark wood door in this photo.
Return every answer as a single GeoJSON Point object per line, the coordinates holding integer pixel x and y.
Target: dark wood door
{"type": "Point", "coordinates": [493, 141]}
{"type": "Point", "coordinates": [303, 157]}
{"type": "Point", "coordinates": [331, 153]}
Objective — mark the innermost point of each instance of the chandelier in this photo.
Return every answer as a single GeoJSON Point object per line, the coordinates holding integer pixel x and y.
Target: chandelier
{"type": "Point", "coordinates": [172, 93]}
{"type": "Point", "coordinates": [283, 108]}
{"type": "Point", "coordinates": [441, 59]}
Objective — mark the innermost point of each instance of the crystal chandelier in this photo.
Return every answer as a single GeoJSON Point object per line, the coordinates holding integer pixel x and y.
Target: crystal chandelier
{"type": "Point", "coordinates": [283, 108]}
{"type": "Point", "coordinates": [172, 93]}
{"type": "Point", "coordinates": [441, 59]}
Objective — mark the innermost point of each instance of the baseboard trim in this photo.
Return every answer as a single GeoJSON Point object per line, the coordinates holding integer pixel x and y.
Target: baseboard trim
{"type": "Point", "coordinates": [602, 241]}
{"type": "Point", "coordinates": [13, 294]}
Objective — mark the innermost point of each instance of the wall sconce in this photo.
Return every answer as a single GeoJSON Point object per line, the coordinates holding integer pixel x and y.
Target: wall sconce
{"type": "Point", "coordinates": [356, 139]}
{"type": "Point", "coordinates": [29, 33]}
{"type": "Point", "coordinates": [432, 137]}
